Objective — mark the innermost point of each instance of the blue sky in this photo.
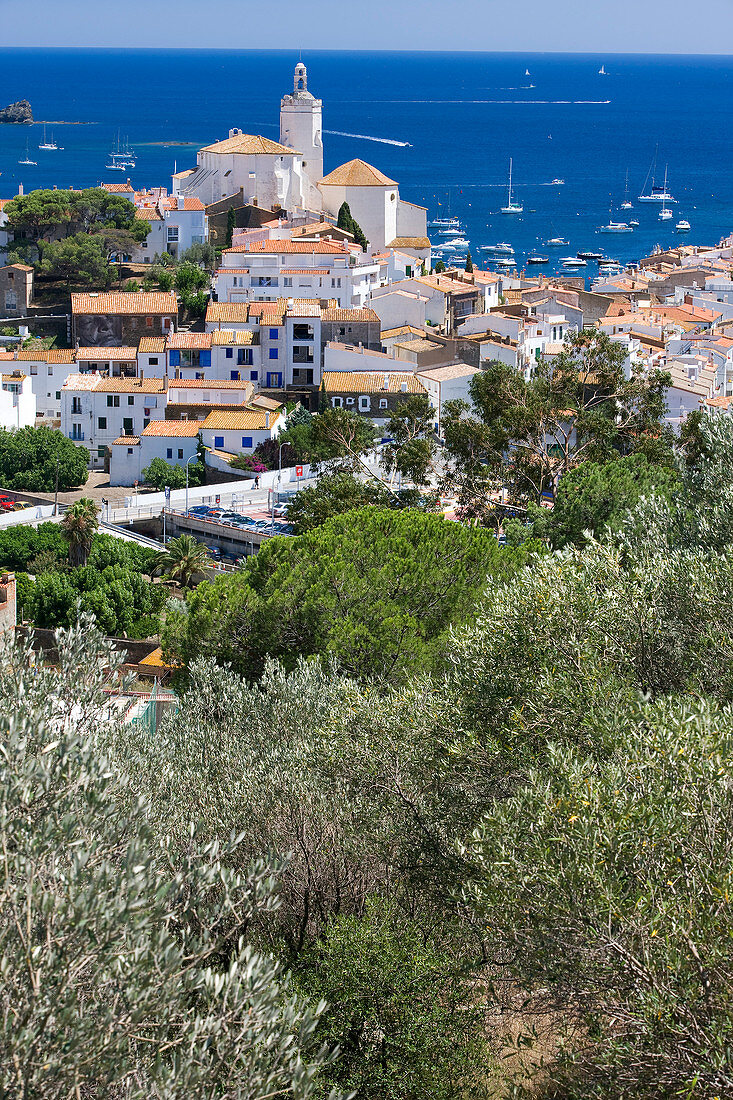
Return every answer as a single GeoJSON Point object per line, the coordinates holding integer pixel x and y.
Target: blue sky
{"type": "Point", "coordinates": [592, 26]}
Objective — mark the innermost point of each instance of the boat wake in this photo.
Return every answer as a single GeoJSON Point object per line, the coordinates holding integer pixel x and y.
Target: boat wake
{"type": "Point", "coordinates": [367, 137]}
{"type": "Point", "coordinates": [502, 102]}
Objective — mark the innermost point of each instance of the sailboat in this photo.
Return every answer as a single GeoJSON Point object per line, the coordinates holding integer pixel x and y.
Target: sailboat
{"type": "Point", "coordinates": [626, 204]}
{"type": "Point", "coordinates": [50, 145]}
{"type": "Point", "coordinates": [657, 193]}
{"type": "Point", "coordinates": [664, 213]}
{"type": "Point", "coordinates": [511, 207]}
{"type": "Point", "coordinates": [27, 159]}
{"type": "Point", "coordinates": [526, 72]}
{"type": "Point", "coordinates": [602, 71]}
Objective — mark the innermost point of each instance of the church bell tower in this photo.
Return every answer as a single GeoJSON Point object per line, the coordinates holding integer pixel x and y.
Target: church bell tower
{"type": "Point", "coordinates": [301, 128]}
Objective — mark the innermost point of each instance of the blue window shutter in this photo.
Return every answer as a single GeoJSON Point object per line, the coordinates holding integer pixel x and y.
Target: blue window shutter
{"type": "Point", "coordinates": [218, 441]}
{"type": "Point", "coordinates": [253, 376]}
{"type": "Point", "coordinates": [175, 359]}
{"type": "Point", "coordinates": [230, 352]}
{"type": "Point", "coordinates": [205, 359]}
{"type": "Point", "coordinates": [273, 353]}
{"type": "Point", "coordinates": [246, 440]}
{"type": "Point", "coordinates": [235, 375]}
{"type": "Point", "coordinates": [169, 452]}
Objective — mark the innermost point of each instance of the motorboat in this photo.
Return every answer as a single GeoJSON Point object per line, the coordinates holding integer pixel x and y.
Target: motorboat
{"type": "Point", "coordinates": [573, 261]}
{"type": "Point", "coordinates": [557, 242]}
{"type": "Point", "coordinates": [589, 255]}
{"type": "Point", "coordinates": [452, 232]}
{"type": "Point", "coordinates": [538, 259]}
{"type": "Point", "coordinates": [683, 226]}
{"type": "Point", "coordinates": [459, 243]}
{"type": "Point", "coordinates": [557, 183]}
{"type": "Point", "coordinates": [616, 227]}
{"type": "Point", "coordinates": [633, 223]}
{"type": "Point", "coordinates": [502, 247]}
{"type": "Point", "coordinates": [511, 207]}
{"type": "Point", "coordinates": [505, 261]}
{"type": "Point", "coordinates": [446, 223]}
{"type": "Point", "coordinates": [664, 214]}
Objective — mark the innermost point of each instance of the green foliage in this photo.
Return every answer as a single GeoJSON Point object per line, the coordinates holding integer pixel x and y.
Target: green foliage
{"type": "Point", "coordinates": [201, 254]}
{"type": "Point", "coordinates": [333, 495]}
{"type": "Point", "coordinates": [161, 473]}
{"type": "Point", "coordinates": [231, 225]}
{"type": "Point", "coordinates": [469, 263]}
{"type": "Point", "coordinates": [399, 1009]}
{"type": "Point", "coordinates": [30, 457]}
{"type": "Point", "coordinates": [596, 496]}
{"type": "Point", "coordinates": [376, 589]}
{"type": "Point", "coordinates": [439, 267]}
{"type": "Point", "coordinates": [80, 260]}
{"type": "Point", "coordinates": [118, 596]}
{"type": "Point", "coordinates": [190, 277]}
{"type": "Point", "coordinates": [164, 278]}
{"type": "Point", "coordinates": [346, 222]}
{"type": "Point", "coordinates": [132, 971]}
{"type": "Point", "coordinates": [20, 545]}
{"type": "Point", "coordinates": [195, 302]}
{"type": "Point", "coordinates": [79, 526]}
{"type": "Point", "coordinates": [526, 434]}
{"type": "Point", "coordinates": [182, 560]}
{"type": "Point", "coordinates": [414, 447]}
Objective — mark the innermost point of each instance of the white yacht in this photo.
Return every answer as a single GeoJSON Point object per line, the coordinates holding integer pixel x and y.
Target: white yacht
{"type": "Point", "coordinates": [657, 193]}
{"type": "Point", "coordinates": [502, 247]}
{"type": "Point", "coordinates": [446, 223]}
{"type": "Point", "coordinates": [616, 227]}
{"type": "Point", "coordinates": [557, 183]}
{"type": "Point", "coordinates": [451, 231]}
{"type": "Point", "coordinates": [556, 242]}
{"type": "Point", "coordinates": [683, 226]}
{"type": "Point", "coordinates": [511, 206]}
{"type": "Point", "coordinates": [574, 261]}
{"type": "Point", "coordinates": [45, 144]}
{"type": "Point", "coordinates": [664, 213]}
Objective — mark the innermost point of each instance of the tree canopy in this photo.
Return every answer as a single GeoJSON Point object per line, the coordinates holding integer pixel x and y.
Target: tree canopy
{"type": "Point", "coordinates": [31, 457]}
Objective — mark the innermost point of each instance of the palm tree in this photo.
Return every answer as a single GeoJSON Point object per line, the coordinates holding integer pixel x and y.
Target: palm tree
{"type": "Point", "coordinates": [79, 527]}
{"type": "Point", "coordinates": [182, 558]}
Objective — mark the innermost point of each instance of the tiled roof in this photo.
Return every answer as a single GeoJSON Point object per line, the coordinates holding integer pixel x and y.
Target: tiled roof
{"type": "Point", "coordinates": [207, 384]}
{"type": "Point", "coordinates": [16, 377]}
{"type": "Point", "coordinates": [238, 421]}
{"type": "Point", "coordinates": [86, 382]}
{"type": "Point", "coordinates": [357, 173]}
{"type": "Point", "coordinates": [320, 229]}
{"type": "Point", "coordinates": [19, 267]}
{"type": "Point", "coordinates": [137, 302]}
{"type": "Point", "coordinates": [127, 441]}
{"type": "Point", "coordinates": [410, 242]}
{"type": "Point", "coordinates": [223, 336]}
{"type": "Point", "coordinates": [300, 307]}
{"type": "Point", "coordinates": [304, 271]}
{"type": "Point", "coordinates": [92, 355]}
{"type": "Point", "coordinates": [300, 248]}
{"type": "Point", "coordinates": [7, 357]}
{"type": "Point", "coordinates": [402, 330]}
{"type": "Point", "coordinates": [130, 385]}
{"type": "Point", "coordinates": [448, 373]}
{"type": "Point", "coordinates": [238, 312]}
{"type": "Point", "coordinates": [148, 214]}
{"type": "Point", "coordinates": [364, 314]}
{"type": "Point", "coordinates": [184, 202]}
{"type": "Point", "coordinates": [167, 429]}
{"type": "Point", "coordinates": [249, 145]}
{"type": "Point", "coordinates": [194, 340]}
{"type": "Point", "coordinates": [719, 402]}
{"type": "Point", "coordinates": [231, 271]}
{"type": "Point", "coordinates": [151, 345]}
{"type": "Point", "coordinates": [118, 188]}
{"type": "Point", "coordinates": [371, 382]}
{"type": "Point", "coordinates": [182, 175]}
{"type": "Point", "coordinates": [41, 355]}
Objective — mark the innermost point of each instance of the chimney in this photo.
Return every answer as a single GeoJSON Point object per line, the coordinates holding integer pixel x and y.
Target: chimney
{"type": "Point", "coordinates": [267, 420]}
{"type": "Point", "coordinates": [385, 385]}
{"type": "Point", "coordinates": [403, 387]}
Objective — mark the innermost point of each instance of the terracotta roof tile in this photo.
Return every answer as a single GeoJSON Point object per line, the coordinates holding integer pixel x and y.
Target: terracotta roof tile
{"type": "Point", "coordinates": [248, 145]}
{"type": "Point", "coordinates": [148, 214]}
{"type": "Point", "coordinates": [207, 384]}
{"type": "Point", "coordinates": [151, 345]}
{"type": "Point", "coordinates": [371, 382]}
{"type": "Point", "coordinates": [125, 302]}
{"type": "Point", "coordinates": [301, 248]}
{"type": "Point", "coordinates": [102, 355]}
{"type": "Point", "coordinates": [240, 420]}
{"type": "Point", "coordinates": [127, 441]}
{"type": "Point", "coordinates": [194, 340]}
{"type": "Point", "coordinates": [167, 429]}
{"type": "Point", "coordinates": [335, 314]}
{"type": "Point", "coordinates": [357, 173]}
{"type": "Point", "coordinates": [223, 337]}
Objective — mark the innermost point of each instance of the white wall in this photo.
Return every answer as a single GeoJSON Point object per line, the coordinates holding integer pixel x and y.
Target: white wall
{"type": "Point", "coordinates": [397, 307]}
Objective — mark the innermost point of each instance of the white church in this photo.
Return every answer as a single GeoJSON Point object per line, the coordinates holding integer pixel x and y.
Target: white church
{"type": "Point", "coordinates": [288, 175]}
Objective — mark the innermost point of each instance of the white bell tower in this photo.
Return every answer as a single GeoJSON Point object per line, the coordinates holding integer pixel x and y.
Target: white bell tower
{"type": "Point", "coordinates": [301, 128]}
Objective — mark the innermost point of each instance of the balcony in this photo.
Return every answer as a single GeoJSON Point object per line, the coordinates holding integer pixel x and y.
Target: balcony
{"type": "Point", "coordinates": [78, 437]}
{"type": "Point", "coordinates": [302, 332]}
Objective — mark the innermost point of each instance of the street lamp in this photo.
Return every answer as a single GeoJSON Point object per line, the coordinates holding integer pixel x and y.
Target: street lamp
{"type": "Point", "coordinates": [280, 461]}
{"type": "Point", "coordinates": [191, 459]}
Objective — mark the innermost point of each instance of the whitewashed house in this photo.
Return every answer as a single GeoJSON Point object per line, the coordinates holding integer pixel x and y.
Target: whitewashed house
{"type": "Point", "coordinates": [17, 401]}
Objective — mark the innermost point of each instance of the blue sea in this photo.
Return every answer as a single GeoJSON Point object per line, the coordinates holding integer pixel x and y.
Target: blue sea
{"type": "Point", "coordinates": [444, 125]}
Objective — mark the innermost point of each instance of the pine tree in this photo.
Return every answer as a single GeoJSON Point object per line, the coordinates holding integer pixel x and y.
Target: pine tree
{"type": "Point", "coordinates": [439, 267]}
{"type": "Point", "coordinates": [469, 263]}
{"type": "Point", "coordinates": [346, 222]}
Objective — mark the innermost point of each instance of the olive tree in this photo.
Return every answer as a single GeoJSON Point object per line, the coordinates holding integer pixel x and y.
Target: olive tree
{"type": "Point", "coordinates": [125, 962]}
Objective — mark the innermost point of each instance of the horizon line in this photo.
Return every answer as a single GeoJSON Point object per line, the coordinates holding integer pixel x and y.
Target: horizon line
{"type": "Point", "coordinates": [339, 50]}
